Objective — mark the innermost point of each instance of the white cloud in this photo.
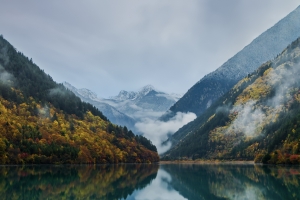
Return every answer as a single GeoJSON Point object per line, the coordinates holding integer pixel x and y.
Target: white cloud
{"type": "Point", "coordinates": [44, 112]}
{"type": "Point", "coordinates": [57, 91]}
{"type": "Point", "coordinates": [158, 131]}
{"type": "Point", "coordinates": [248, 119]}
{"type": "Point", "coordinates": [5, 77]}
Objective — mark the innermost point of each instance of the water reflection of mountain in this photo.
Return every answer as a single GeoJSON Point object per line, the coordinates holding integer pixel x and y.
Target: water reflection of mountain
{"type": "Point", "coordinates": [234, 182]}
{"type": "Point", "coordinates": [74, 182]}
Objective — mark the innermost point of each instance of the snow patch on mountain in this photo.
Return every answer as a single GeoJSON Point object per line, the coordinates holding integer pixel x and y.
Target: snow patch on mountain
{"type": "Point", "coordinates": [127, 108]}
{"type": "Point", "coordinates": [172, 97]}
{"type": "Point", "coordinates": [125, 95]}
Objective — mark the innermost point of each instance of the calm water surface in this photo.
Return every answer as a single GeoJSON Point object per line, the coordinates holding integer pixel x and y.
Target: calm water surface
{"type": "Point", "coordinates": [144, 181]}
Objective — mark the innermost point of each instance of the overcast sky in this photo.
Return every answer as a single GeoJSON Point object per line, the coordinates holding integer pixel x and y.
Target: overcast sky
{"type": "Point", "coordinates": [114, 45]}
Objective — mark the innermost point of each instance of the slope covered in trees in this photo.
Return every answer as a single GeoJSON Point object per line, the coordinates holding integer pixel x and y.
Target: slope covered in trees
{"type": "Point", "coordinates": [212, 86]}
{"type": "Point", "coordinates": [257, 119]}
{"type": "Point", "coordinates": [42, 122]}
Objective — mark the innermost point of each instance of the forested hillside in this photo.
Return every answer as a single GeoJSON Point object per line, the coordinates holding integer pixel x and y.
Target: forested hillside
{"type": "Point", "coordinates": [42, 122]}
{"type": "Point", "coordinates": [263, 48]}
{"type": "Point", "coordinates": [257, 119]}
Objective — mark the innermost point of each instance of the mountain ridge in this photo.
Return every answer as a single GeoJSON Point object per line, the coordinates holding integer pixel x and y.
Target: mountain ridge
{"type": "Point", "coordinates": [257, 119]}
{"type": "Point", "coordinates": [147, 102]}
{"type": "Point", "coordinates": [126, 95]}
{"type": "Point", "coordinates": [265, 47]}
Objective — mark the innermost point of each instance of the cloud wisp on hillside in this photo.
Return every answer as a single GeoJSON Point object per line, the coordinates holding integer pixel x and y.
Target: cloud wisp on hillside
{"type": "Point", "coordinates": [158, 131]}
{"type": "Point", "coordinates": [5, 77]}
{"type": "Point", "coordinates": [250, 117]}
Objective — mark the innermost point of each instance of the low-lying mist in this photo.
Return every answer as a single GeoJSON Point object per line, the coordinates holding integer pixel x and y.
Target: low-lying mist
{"type": "Point", "coordinates": [250, 115]}
{"type": "Point", "coordinates": [157, 131]}
{"type": "Point", "coordinates": [5, 77]}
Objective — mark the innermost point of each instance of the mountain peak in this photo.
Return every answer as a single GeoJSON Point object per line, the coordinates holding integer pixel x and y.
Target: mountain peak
{"type": "Point", "coordinates": [145, 90]}
{"type": "Point", "coordinates": [148, 87]}
{"type": "Point", "coordinates": [125, 95]}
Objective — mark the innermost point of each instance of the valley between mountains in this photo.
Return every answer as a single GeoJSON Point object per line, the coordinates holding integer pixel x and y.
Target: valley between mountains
{"type": "Point", "coordinates": [246, 110]}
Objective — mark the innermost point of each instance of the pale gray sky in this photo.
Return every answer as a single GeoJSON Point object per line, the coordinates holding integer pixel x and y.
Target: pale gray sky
{"type": "Point", "coordinates": [114, 45]}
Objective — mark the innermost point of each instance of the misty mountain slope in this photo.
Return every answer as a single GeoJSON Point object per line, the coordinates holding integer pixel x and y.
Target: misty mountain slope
{"type": "Point", "coordinates": [265, 47]}
{"type": "Point", "coordinates": [41, 122]}
{"type": "Point", "coordinates": [257, 119]}
{"type": "Point", "coordinates": [109, 111]}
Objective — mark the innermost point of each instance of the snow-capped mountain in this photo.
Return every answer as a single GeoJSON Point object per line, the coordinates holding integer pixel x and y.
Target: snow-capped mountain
{"type": "Point", "coordinates": [114, 115]}
{"type": "Point", "coordinates": [145, 103]}
{"type": "Point", "coordinates": [124, 95]}
{"type": "Point", "coordinates": [129, 107]}
{"type": "Point", "coordinates": [265, 47]}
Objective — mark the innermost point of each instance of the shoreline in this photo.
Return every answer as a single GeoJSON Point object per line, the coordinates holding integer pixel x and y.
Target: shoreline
{"type": "Point", "coordinates": [209, 162]}
{"type": "Point", "coordinates": [202, 162]}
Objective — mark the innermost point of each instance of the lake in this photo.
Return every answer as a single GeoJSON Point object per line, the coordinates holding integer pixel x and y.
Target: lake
{"type": "Point", "coordinates": [150, 181]}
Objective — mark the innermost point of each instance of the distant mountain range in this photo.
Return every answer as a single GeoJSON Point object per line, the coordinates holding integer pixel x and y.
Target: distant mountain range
{"type": "Point", "coordinates": [127, 108]}
{"type": "Point", "coordinates": [145, 103]}
{"type": "Point", "coordinates": [265, 47]}
{"type": "Point", "coordinates": [114, 115]}
{"type": "Point", "coordinates": [257, 119]}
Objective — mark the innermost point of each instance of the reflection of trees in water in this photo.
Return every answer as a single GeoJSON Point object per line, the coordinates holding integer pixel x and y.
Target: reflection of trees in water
{"type": "Point", "coordinates": [235, 182]}
{"type": "Point", "coordinates": [74, 182]}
